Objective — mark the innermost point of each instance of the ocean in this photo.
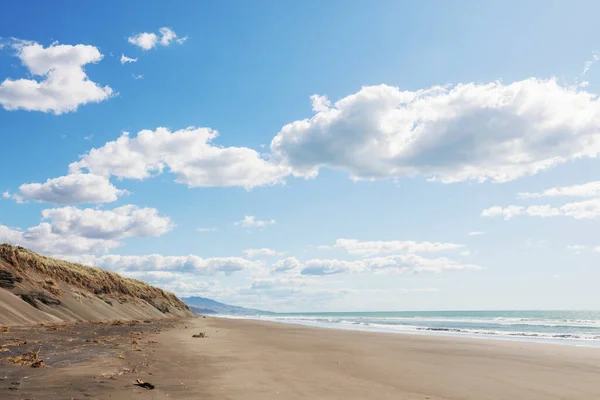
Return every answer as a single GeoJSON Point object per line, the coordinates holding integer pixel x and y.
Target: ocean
{"type": "Point", "coordinates": [566, 327]}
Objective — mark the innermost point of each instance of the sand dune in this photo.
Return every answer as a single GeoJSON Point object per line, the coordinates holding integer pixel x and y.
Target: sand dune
{"type": "Point", "coordinates": [36, 289]}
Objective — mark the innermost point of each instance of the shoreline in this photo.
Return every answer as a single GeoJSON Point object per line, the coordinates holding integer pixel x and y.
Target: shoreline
{"type": "Point", "coordinates": [260, 360]}
{"type": "Point", "coordinates": [420, 332]}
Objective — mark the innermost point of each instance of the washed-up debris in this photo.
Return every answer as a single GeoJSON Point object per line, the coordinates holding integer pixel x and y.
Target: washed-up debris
{"type": "Point", "coordinates": [200, 335]}
{"type": "Point", "coordinates": [14, 342]}
{"type": "Point", "coordinates": [4, 329]}
{"type": "Point", "coordinates": [30, 358]}
{"type": "Point", "coordinates": [145, 385]}
{"type": "Point", "coordinates": [59, 328]}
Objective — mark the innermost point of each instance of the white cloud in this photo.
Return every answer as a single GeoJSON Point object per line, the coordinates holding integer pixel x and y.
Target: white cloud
{"type": "Point", "coordinates": [206, 229]}
{"type": "Point", "coordinates": [125, 59]}
{"type": "Point", "coordinates": [370, 248]}
{"type": "Point", "coordinates": [65, 85]}
{"type": "Point", "coordinates": [70, 189]}
{"type": "Point", "coordinates": [187, 153]}
{"type": "Point", "coordinates": [331, 267]}
{"type": "Point", "coordinates": [13, 196]}
{"type": "Point", "coordinates": [287, 265]}
{"type": "Point", "coordinates": [144, 40]}
{"type": "Point", "coordinates": [121, 222]}
{"type": "Point", "coordinates": [137, 76]}
{"type": "Point", "coordinates": [43, 239]}
{"type": "Point", "coordinates": [388, 264]}
{"type": "Point", "coordinates": [466, 132]}
{"type": "Point", "coordinates": [588, 209]}
{"type": "Point", "coordinates": [190, 263]}
{"type": "Point", "coordinates": [476, 233]}
{"type": "Point", "coordinates": [166, 36]}
{"type": "Point", "coordinates": [250, 221]}
{"type": "Point", "coordinates": [507, 212]}
{"type": "Point", "coordinates": [589, 189]}
{"type": "Point", "coordinates": [320, 103]}
{"type": "Point", "coordinates": [148, 40]}
{"type": "Point", "coordinates": [73, 230]}
{"type": "Point", "coordinates": [253, 253]}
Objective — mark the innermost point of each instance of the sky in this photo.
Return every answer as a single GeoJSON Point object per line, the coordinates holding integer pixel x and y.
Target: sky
{"type": "Point", "coordinates": [310, 156]}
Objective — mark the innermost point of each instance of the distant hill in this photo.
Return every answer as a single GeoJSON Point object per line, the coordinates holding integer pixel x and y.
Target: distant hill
{"type": "Point", "coordinates": [35, 289]}
{"type": "Point", "coordinates": [202, 305]}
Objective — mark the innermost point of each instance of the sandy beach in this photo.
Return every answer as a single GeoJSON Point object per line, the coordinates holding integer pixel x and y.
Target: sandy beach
{"type": "Point", "coordinates": [244, 359]}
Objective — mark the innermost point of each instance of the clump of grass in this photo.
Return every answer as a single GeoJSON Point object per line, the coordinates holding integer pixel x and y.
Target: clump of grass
{"type": "Point", "coordinates": [30, 358]}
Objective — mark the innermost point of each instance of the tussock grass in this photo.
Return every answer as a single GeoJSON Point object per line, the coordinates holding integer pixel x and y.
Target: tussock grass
{"type": "Point", "coordinates": [22, 262]}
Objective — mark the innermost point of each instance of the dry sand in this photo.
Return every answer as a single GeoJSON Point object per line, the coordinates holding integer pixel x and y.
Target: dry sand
{"type": "Point", "coordinates": [242, 359]}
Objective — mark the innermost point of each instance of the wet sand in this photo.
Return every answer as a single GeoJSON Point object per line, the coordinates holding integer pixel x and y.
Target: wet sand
{"type": "Point", "coordinates": [243, 359]}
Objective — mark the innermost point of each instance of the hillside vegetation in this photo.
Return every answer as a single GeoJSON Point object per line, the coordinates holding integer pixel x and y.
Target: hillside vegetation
{"type": "Point", "coordinates": [35, 288]}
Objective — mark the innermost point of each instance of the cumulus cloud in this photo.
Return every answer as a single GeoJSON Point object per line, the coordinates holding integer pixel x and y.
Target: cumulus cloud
{"type": "Point", "coordinates": [125, 59]}
{"type": "Point", "coordinates": [506, 212]}
{"type": "Point", "coordinates": [388, 264]}
{"type": "Point", "coordinates": [253, 253]}
{"type": "Point", "coordinates": [287, 264]}
{"type": "Point", "coordinates": [71, 189]}
{"type": "Point", "coordinates": [73, 230]}
{"type": "Point", "coordinates": [13, 196]}
{"type": "Point", "coordinates": [187, 153]}
{"type": "Point", "coordinates": [149, 40]}
{"type": "Point", "coordinates": [250, 221]}
{"type": "Point", "coordinates": [189, 263]}
{"type": "Point", "coordinates": [469, 131]}
{"type": "Point", "coordinates": [589, 189]}
{"type": "Point", "coordinates": [144, 40]}
{"type": "Point", "coordinates": [588, 209]}
{"type": "Point", "coordinates": [369, 248]}
{"type": "Point", "coordinates": [121, 222]}
{"type": "Point", "coordinates": [43, 239]}
{"type": "Point", "coordinates": [63, 86]}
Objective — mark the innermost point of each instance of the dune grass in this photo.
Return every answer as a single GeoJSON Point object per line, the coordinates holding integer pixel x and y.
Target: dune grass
{"type": "Point", "coordinates": [22, 262]}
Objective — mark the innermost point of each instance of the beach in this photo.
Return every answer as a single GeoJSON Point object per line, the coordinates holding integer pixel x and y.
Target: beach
{"type": "Point", "coordinates": [247, 359]}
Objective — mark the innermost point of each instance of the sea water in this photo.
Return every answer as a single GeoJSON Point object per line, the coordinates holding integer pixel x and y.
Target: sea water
{"type": "Point", "coordinates": [568, 327]}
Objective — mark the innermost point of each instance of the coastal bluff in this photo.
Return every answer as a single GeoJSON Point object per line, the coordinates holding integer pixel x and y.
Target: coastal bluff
{"type": "Point", "coordinates": [36, 289]}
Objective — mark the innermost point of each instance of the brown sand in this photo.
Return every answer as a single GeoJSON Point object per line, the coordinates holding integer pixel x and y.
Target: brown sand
{"type": "Point", "coordinates": [35, 289]}
{"type": "Point", "coordinates": [243, 359]}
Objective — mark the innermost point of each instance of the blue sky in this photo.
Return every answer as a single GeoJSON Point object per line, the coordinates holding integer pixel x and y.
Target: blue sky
{"type": "Point", "coordinates": [360, 146]}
